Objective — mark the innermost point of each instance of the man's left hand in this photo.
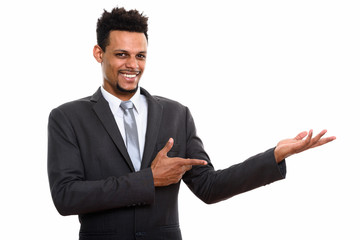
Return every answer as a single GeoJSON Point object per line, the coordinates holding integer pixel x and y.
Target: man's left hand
{"type": "Point", "coordinates": [288, 147]}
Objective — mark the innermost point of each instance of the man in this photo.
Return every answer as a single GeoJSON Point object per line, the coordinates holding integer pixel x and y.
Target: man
{"type": "Point", "coordinates": [116, 158]}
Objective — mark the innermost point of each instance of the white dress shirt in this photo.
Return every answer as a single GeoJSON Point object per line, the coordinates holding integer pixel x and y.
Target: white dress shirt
{"type": "Point", "coordinates": [141, 111]}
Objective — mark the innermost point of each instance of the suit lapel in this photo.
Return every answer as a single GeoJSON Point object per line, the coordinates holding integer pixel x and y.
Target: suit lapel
{"type": "Point", "coordinates": [152, 130]}
{"type": "Point", "coordinates": [102, 110]}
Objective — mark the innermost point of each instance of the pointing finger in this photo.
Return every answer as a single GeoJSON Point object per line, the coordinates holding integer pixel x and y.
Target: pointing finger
{"type": "Point", "coordinates": [194, 162]}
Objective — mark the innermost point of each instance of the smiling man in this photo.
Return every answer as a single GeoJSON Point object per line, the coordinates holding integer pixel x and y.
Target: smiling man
{"type": "Point", "coordinates": [117, 158]}
{"type": "Point", "coordinates": [123, 62]}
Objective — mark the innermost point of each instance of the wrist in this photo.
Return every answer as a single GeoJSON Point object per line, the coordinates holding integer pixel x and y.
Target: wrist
{"type": "Point", "coordinates": [278, 156]}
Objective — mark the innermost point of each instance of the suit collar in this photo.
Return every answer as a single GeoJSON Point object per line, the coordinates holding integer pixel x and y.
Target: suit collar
{"type": "Point", "coordinates": [96, 96]}
{"type": "Point", "coordinates": [155, 110]}
{"type": "Point", "coordinates": [103, 111]}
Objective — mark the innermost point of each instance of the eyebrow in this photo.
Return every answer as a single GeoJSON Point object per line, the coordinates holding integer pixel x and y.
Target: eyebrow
{"type": "Point", "coordinates": [122, 50]}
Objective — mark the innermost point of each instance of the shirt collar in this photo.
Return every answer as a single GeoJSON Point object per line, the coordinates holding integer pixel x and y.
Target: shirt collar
{"type": "Point", "coordinates": [115, 102]}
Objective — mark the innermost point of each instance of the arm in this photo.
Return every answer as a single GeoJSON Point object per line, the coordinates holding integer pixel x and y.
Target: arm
{"type": "Point", "coordinates": [72, 193]}
{"type": "Point", "coordinates": [213, 186]}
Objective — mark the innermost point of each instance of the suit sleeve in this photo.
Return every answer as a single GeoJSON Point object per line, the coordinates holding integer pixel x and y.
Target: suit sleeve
{"type": "Point", "coordinates": [71, 192]}
{"type": "Point", "coordinates": [213, 186]}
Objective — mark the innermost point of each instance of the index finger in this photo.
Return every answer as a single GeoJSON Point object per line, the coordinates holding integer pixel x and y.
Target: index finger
{"type": "Point", "coordinates": [193, 162]}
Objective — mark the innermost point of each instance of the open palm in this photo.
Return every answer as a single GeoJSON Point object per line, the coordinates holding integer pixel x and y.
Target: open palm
{"type": "Point", "coordinates": [288, 147]}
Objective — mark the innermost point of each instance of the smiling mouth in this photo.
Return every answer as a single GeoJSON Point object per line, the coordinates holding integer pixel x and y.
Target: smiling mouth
{"type": "Point", "coordinates": [129, 74]}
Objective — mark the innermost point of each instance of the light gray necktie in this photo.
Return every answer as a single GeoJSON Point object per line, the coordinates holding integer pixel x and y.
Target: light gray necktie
{"type": "Point", "coordinates": [132, 139]}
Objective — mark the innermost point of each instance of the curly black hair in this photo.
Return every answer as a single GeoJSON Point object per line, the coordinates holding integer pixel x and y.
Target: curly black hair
{"type": "Point", "coordinates": [119, 19]}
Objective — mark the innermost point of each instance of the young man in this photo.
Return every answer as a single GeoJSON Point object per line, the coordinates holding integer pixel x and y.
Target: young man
{"type": "Point", "coordinates": [116, 158]}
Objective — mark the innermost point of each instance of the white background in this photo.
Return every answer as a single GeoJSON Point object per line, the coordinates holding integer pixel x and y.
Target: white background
{"type": "Point", "coordinates": [251, 72]}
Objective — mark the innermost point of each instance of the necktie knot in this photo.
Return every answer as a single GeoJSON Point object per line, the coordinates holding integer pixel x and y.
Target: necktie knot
{"type": "Point", "coordinates": [125, 105]}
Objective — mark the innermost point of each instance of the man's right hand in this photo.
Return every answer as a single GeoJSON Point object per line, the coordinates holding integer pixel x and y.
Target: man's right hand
{"type": "Point", "coordinates": [167, 171]}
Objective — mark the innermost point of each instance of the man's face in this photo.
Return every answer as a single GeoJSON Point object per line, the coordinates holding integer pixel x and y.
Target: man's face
{"type": "Point", "coordinates": [123, 62]}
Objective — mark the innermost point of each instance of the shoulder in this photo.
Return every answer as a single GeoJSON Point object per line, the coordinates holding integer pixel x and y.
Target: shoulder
{"type": "Point", "coordinates": [168, 102]}
{"type": "Point", "coordinates": [80, 105]}
{"type": "Point", "coordinates": [75, 105]}
{"type": "Point", "coordinates": [172, 107]}
{"type": "Point", "coordinates": [76, 109]}
{"type": "Point", "coordinates": [163, 101]}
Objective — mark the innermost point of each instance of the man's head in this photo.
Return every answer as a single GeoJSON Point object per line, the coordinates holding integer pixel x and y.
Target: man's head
{"type": "Point", "coordinates": [122, 20]}
{"type": "Point", "coordinates": [121, 50]}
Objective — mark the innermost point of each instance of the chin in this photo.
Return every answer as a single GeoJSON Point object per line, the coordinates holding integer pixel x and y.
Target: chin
{"type": "Point", "coordinates": [133, 90]}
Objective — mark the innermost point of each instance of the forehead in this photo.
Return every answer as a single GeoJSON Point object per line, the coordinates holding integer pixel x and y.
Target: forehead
{"type": "Point", "coordinates": [130, 41]}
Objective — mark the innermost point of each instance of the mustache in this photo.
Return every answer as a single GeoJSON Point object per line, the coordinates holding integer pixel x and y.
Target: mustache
{"type": "Point", "coordinates": [129, 71]}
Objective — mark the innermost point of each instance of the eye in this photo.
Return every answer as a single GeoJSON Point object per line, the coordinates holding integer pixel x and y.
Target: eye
{"type": "Point", "coordinates": [141, 56]}
{"type": "Point", "coordinates": [121, 55]}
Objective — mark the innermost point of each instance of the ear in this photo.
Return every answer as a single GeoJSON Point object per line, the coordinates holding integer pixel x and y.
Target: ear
{"type": "Point", "coordinates": [98, 53]}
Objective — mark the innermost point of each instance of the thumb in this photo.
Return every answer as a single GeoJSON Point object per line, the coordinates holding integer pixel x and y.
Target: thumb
{"type": "Point", "coordinates": [168, 146]}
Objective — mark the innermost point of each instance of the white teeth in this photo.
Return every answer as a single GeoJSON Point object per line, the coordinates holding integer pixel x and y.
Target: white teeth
{"type": "Point", "coordinates": [129, 76]}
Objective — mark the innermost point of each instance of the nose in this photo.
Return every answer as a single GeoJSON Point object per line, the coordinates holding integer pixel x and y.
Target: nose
{"type": "Point", "coordinates": [132, 62]}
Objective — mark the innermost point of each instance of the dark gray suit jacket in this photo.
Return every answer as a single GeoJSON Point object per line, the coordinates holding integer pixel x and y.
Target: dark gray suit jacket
{"type": "Point", "coordinates": [91, 174]}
